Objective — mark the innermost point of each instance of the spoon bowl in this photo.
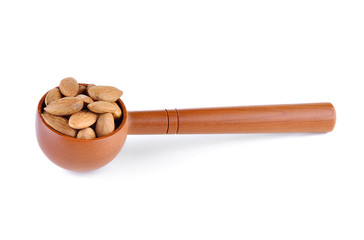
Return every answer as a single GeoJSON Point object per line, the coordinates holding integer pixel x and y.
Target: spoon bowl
{"type": "Point", "coordinates": [80, 154]}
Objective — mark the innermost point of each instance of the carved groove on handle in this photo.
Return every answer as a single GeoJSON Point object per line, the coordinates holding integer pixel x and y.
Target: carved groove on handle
{"type": "Point", "coordinates": [173, 121]}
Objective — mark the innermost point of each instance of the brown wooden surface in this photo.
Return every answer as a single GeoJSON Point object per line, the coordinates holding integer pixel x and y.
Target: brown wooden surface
{"type": "Point", "coordinates": [148, 122]}
{"type": "Point", "coordinates": [288, 118]}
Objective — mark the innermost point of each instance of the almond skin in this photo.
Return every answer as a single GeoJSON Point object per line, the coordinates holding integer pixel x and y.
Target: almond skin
{"type": "Point", "coordinates": [52, 95]}
{"type": "Point", "coordinates": [69, 87]}
{"type": "Point", "coordinates": [82, 119]}
{"type": "Point", "coordinates": [64, 106]}
{"type": "Point", "coordinates": [85, 99]}
{"type": "Point", "coordinates": [87, 133]}
{"type": "Point", "coordinates": [104, 93]}
{"type": "Point", "coordinates": [118, 113]}
{"type": "Point", "coordinates": [105, 124]}
{"type": "Point", "coordinates": [59, 123]}
{"type": "Point", "coordinates": [102, 107]}
{"type": "Point", "coordinates": [81, 89]}
{"type": "Point", "coordinates": [89, 86]}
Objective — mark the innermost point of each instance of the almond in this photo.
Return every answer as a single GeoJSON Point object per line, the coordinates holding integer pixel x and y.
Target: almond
{"type": "Point", "coordinates": [85, 99]}
{"type": "Point", "coordinates": [104, 93]}
{"type": "Point", "coordinates": [117, 114]}
{"type": "Point", "coordinates": [105, 124]}
{"type": "Point", "coordinates": [89, 86]}
{"type": "Point", "coordinates": [102, 107]}
{"type": "Point", "coordinates": [69, 87]}
{"type": "Point", "coordinates": [52, 95]}
{"type": "Point", "coordinates": [87, 133]}
{"type": "Point", "coordinates": [59, 123]}
{"type": "Point", "coordinates": [64, 106]}
{"type": "Point", "coordinates": [81, 89]}
{"type": "Point", "coordinates": [82, 119]}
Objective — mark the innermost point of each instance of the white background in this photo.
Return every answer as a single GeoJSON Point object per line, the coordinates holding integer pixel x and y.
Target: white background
{"type": "Point", "coordinates": [177, 54]}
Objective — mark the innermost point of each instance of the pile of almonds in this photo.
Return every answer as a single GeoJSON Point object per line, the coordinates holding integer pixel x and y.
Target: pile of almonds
{"type": "Point", "coordinates": [81, 112]}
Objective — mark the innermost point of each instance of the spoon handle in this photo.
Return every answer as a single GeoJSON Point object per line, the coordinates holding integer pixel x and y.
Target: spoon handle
{"type": "Point", "coordinates": [287, 118]}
